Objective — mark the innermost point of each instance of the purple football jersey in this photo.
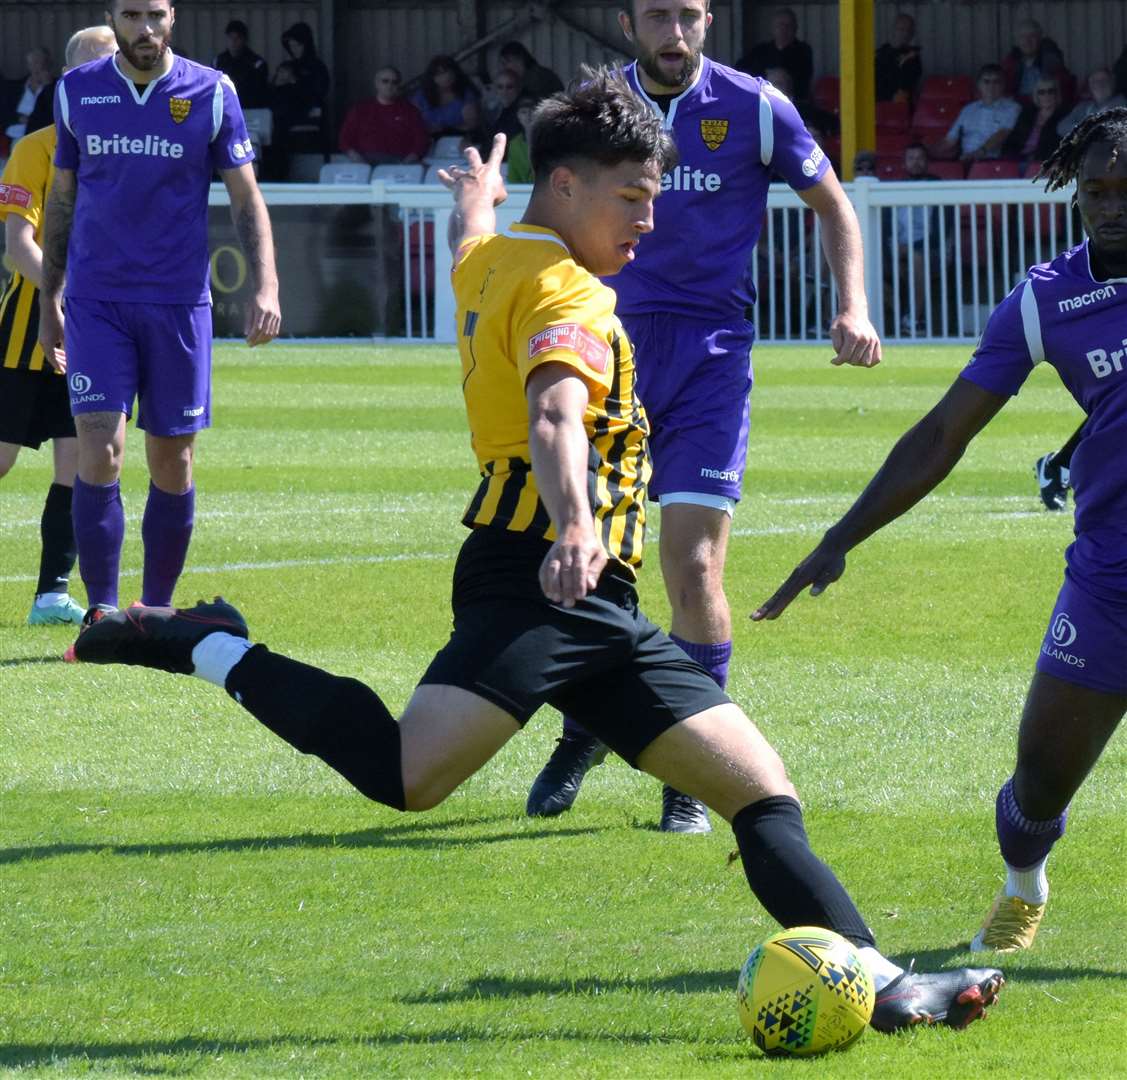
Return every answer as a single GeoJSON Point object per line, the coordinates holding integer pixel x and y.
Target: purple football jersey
{"type": "Point", "coordinates": [144, 160]}
{"type": "Point", "coordinates": [1061, 314]}
{"type": "Point", "coordinates": [734, 133]}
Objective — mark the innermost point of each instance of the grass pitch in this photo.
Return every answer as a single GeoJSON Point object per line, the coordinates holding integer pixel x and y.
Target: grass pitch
{"type": "Point", "coordinates": [183, 894]}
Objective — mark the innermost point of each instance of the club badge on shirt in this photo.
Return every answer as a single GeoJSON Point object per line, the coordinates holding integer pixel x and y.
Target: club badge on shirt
{"type": "Point", "coordinates": [713, 132]}
{"type": "Point", "coordinates": [179, 107]}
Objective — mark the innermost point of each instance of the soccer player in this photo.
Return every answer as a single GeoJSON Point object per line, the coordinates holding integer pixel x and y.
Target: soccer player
{"type": "Point", "coordinates": [1053, 473]}
{"type": "Point", "coordinates": [1071, 313]}
{"type": "Point", "coordinates": [33, 396]}
{"type": "Point", "coordinates": [139, 136]}
{"type": "Point", "coordinates": [686, 302]}
{"type": "Point", "coordinates": [545, 607]}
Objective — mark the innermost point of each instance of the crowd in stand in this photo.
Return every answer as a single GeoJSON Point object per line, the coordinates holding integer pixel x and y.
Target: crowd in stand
{"type": "Point", "coordinates": [1015, 111]}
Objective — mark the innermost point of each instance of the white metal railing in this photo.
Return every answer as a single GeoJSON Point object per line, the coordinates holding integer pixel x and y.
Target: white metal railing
{"type": "Point", "coordinates": [939, 255]}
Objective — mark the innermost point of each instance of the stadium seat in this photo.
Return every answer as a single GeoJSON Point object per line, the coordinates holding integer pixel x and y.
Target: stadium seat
{"type": "Point", "coordinates": [352, 172]}
{"type": "Point", "coordinates": [893, 142]}
{"type": "Point", "coordinates": [260, 125]}
{"type": "Point", "coordinates": [445, 149]}
{"type": "Point", "coordinates": [893, 116]}
{"type": "Point", "coordinates": [933, 119]}
{"type": "Point", "coordinates": [890, 167]}
{"type": "Point", "coordinates": [827, 93]}
{"type": "Point", "coordinates": [994, 170]}
{"type": "Point", "coordinates": [1031, 170]}
{"type": "Point", "coordinates": [947, 170]}
{"type": "Point", "coordinates": [304, 168]}
{"type": "Point", "coordinates": [399, 174]}
{"type": "Point", "coordinates": [956, 88]}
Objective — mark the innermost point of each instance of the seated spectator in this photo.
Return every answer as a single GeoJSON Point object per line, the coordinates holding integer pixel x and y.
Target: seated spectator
{"type": "Point", "coordinates": [384, 129]}
{"type": "Point", "coordinates": [812, 115]}
{"type": "Point", "coordinates": [500, 115]}
{"type": "Point", "coordinates": [536, 81]}
{"type": "Point", "coordinates": [917, 228]}
{"type": "Point", "coordinates": [1101, 83]}
{"type": "Point", "coordinates": [449, 102]}
{"type": "Point", "coordinates": [783, 50]}
{"type": "Point", "coordinates": [298, 92]}
{"type": "Point", "coordinates": [1035, 57]}
{"type": "Point", "coordinates": [898, 64]}
{"type": "Point", "coordinates": [981, 127]}
{"type": "Point", "coordinates": [520, 164]}
{"type": "Point", "coordinates": [244, 67]}
{"type": "Point", "coordinates": [40, 75]}
{"type": "Point", "coordinates": [865, 163]}
{"type": "Point", "coordinates": [1034, 137]}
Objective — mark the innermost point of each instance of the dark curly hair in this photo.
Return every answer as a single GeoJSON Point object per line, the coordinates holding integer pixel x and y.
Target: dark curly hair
{"type": "Point", "coordinates": [1063, 165]}
{"type": "Point", "coordinates": [598, 118]}
{"type": "Point", "coordinates": [462, 83]}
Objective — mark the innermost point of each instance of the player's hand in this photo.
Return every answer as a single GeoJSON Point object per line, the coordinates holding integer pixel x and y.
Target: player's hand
{"type": "Point", "coordinates": [264, 317]}
{"type": "Point", "coordinates": [572, 566]}
{"type": "Point", "coordinates": [479, 176]}
{"type": "Point", "coordinates": [820, 569]}
{"type": "Point", "coordinates": [51, 333]}
{"type": "Point", "coordinates": [855, 341]}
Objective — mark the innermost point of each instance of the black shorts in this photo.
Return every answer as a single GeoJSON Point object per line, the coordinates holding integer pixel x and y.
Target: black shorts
{"type": "Point", "coordinates": [34, 407]}
{"type": "Point", "coordinates": [602, 662]}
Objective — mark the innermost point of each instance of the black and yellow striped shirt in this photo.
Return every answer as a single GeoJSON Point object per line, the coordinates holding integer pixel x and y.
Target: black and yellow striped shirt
{"type": "Point", "coordinates": [524, 301]}
{"type": "Point", "coordinates": [23, 190]}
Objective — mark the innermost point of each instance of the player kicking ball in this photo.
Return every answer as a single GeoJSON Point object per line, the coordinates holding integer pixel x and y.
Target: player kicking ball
{"type": "Point", "coordinates": [1079, 691]}
{"type": "Point", "coordinates": [545, 607]}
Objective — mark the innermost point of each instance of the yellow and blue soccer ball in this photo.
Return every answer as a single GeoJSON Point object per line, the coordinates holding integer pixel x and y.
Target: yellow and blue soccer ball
{"type": "Point", "coordinates": [805, 991]}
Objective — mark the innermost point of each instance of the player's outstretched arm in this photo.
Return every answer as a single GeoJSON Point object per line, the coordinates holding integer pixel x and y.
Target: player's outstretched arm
{"type": "Point", "coordinates": [558, 444]}
{"type": "Point", "coordinates": [918, 463]}
{"type": "Point", "coordinates": [477, 190]}
{"type": "Point", "coordinates": [56, 238]}
{"type": "Point", "coordinates": [854, 339]}
{"type": "Point", "coordinates": [252, 224]}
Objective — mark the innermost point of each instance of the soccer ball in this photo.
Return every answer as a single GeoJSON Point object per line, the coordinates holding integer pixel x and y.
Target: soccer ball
{"type": "Point", "coordinates": [805, 991]}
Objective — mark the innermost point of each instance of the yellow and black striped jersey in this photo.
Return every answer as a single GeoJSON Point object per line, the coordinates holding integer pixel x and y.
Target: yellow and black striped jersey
{"type": "Point", "coordinates": [24, 186]}
{"type": "Point", "coordinates": [523, 301]}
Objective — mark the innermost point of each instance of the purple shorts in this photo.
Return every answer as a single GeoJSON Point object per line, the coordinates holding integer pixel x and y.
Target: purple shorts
{"type": "Point", "coordinates": [694, 378]}
{"type": "Point", "coordinates": [157, 353]}
{"type": "Point", "coordinates": [1086, 642]}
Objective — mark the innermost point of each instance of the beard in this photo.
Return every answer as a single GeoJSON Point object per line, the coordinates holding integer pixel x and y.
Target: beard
{"type": "Point", "coordinates": [145, 61]}
{"type": "Point", "coordinates": [648, 62]}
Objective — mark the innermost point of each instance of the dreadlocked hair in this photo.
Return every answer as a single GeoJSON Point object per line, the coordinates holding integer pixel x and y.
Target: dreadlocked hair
{"type": "Point", "coordinates": [1063, 165]}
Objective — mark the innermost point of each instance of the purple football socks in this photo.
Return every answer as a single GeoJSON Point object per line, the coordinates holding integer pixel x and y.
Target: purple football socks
{"type": "Point", "coordinates": [166, 531]}
{"type": "Point", "coordinates": [99, 526]}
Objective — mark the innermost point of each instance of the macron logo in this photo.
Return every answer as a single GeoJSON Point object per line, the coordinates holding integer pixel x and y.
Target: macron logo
{"type": "Point", "coordinates": [105, 99]}
{"type": "Point", "coordinates": [1074, 302]}
{"type": "Point", "coordinates": [149, 146]}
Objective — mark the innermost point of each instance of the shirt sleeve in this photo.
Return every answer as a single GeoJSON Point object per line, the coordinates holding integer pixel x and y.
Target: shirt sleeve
{"type": "Point", "coordinates": [784, 143]}
{"type": "Point", "coordinates": [66, 146]}
{"type": "Point", "coordinates": [1010, 344]}
{"type": "Point", "coordinates": [230, 144]}
{"type": "Point", "coordinates": [24, 181]}
{"type": "Point", "coordinates": [959, 124]}
{"type": "Point", "coordinates": [566, 319]}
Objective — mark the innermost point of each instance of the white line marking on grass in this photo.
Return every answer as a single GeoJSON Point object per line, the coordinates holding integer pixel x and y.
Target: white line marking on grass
{"type": "Point", "coordinates": [277, 564]}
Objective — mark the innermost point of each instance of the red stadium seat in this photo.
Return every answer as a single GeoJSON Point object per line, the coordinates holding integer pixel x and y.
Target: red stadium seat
{"type": "Point", "coordinates": [933, 119]}
{"type": "Point", "coordinates": [827, 93]}
{"type": "Point", "coordinates": [946, 170]}
{"type": "Point", "coordinates": [890, 167]}
{"type": "Point", "coordinates": [893, 142]}
{"type": "Point", "coordinates": [994, 170]}
{"type": "Point", "coordinates": [1031, 170]}
{"type": "Point", "coordinates": [958, 88]}
{"type": "Point", "coordinates": [893, 116]}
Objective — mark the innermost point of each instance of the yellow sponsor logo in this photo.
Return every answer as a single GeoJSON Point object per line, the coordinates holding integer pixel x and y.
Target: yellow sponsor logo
{"type": "Point", "coordinates": [713, 132]}
{"type": "Point", "coordinates": [179, 107]}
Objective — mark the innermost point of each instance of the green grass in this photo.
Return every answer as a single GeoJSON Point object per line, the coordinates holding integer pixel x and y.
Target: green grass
{"type": "Point", "coordinates": [182, 894]}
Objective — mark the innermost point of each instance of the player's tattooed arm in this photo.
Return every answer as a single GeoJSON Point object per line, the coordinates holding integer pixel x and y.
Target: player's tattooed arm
{"type": "Point", "coordinates": [252, 226]}
{"type": "Point", "coordinates": [56, 238]}
{"type": "Point", "coordinates": [477, 190]}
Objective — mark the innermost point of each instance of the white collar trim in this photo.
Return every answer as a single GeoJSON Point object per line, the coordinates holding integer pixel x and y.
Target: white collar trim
{"type": "Point", "coordinates": [141, 98]}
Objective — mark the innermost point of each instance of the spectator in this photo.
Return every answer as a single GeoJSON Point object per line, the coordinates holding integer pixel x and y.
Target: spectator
{"type": "Point", "coordinates": [449, 102]}
{"type": "Point", "coordinates": [535, 80]}
{"type": "Point", "coordinates": [898, 64]}
{"type": "Point", "coordinates": [783, 50]}
{"type": "Point", "coordinates": [40, 75]}
{"type": "Point", "coordinates": [1033, 58]}
{"type": "Point", "coordinates": [917, 227]}
{"type": "Point", "coordinates": [520, 163]}
{"type": "Point", "coordinates": [244, 67]}
{"type": "Point", "coordinates": [981, 127]}
{"type": "Point", "coordinates": [865, 163]}
{"type": "Point", "coordinates": [384, 129]}
{"type": "Point", "coordinates": [812, 115]}
{"type": "Point", "coordinates": [1034, 136]}
{"type": "Point", "coordinates": [500, 115]}
{"type": "Point", "coordinates": [1100, 86]}
{"type": "Point", "coordinates": [298, 92]}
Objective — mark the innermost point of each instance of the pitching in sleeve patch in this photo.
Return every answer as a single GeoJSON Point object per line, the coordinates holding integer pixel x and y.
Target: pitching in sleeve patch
{"type": "Point", "coordinates": [588, 346]}
{"type": "Point", "coordinates": [14, 195]}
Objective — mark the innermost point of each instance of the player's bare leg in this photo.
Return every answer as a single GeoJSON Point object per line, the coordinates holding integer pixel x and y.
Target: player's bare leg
{"type": "Point", "coordinates": [166, 528]}
{"type": "Point", "coordinates": [1064, 728]}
